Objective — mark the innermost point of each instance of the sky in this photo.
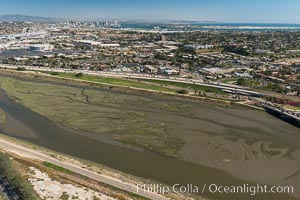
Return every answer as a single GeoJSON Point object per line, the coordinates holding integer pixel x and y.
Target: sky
{"type": "Point", "coordinates": [245, 11]}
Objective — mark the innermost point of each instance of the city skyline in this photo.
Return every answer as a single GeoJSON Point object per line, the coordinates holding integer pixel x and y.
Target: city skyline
{"type": "Point", "coordinates": [267, 11]}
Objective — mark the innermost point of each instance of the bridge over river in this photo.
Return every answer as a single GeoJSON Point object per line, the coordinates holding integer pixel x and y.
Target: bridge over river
{"type": "Point", "coordinates": [282, 113]}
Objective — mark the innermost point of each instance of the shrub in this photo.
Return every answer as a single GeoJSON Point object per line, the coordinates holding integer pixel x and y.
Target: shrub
{"type": "Point", "coordinates": [54, 73]}
{"type": "Point", "coordinates": [182, 92]}
{"type": "Point", "coordinates": [21, 69]}
{"type": "Point", "coordinates": [241, 81]}
{"type": "Point", "coordinates": [78, 75]}
{"type": "Point", "coordinates": [21, 187]}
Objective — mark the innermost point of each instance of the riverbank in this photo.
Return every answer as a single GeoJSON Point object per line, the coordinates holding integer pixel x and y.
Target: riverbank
{"type": "Point", "coordinates": [36, 154]}
{"type": "Point", "coordinates": [221, 144]}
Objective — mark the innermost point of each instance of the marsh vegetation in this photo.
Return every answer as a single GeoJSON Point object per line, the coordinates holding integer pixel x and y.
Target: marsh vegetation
{"type": "Point", "coordinates": [100, 112]}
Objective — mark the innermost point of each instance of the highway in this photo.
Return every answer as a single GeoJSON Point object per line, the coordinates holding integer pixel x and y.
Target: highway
{"type": "Point", "coordinates": [222, 86]}
{"type": "Point", "coordinates": [30, 153]}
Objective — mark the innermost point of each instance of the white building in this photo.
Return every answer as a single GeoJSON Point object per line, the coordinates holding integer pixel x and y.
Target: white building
{"type": "Point", "coordinates": [41, 47]}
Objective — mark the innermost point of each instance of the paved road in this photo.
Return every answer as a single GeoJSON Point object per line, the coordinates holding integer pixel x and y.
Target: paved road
{"type": "Point", "coordinates": [36, 155]}
{"type": "Point", "coordinates": [222, 86]}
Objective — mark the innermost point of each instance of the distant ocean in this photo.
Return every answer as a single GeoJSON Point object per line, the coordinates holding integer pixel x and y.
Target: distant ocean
{"type": "Point", "coordinates": [211, 26]}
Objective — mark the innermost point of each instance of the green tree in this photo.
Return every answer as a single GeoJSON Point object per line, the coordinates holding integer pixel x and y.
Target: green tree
{"type": "Point", "coordinates": [22, 188]}
{"type": "Point", "coordinates": [241, 81]}
{"type": "Point", "coordinates": [79, 75]}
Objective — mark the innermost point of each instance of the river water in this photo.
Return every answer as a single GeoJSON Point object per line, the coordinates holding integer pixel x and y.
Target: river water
{"type": "Point", "coordinates": [27, 125]}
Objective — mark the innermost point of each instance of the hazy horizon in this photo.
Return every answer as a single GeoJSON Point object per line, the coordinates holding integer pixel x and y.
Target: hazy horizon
{"type": "Point", "coordinates": [223, 11]}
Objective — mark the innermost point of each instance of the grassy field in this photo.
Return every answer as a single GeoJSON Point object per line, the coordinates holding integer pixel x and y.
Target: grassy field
{"type": "Point", "coordinates": [156, 85]}
{"type": "Point", "coordinates": [185, 86]}
{"type": "Point", "coordinates": [117, 81]}
{"type": "Point", "coordinates": [228, 80]}
{"type": "Point", "coordinates": [100, 112]}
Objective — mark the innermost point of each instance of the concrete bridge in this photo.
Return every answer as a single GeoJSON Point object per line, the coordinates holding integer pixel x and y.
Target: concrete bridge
{"type": "Point", "coordinates": [281, 112]}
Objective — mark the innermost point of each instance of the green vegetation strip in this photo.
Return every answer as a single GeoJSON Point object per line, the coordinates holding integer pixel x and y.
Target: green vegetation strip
{"type": "Point", "coordinates": [18, 183]}
{"type": "Point", "coordinates": [114, 81]}
{"type": "Point", "coordinates": [228, 80]}
{"type": "Point", "coordinates": [185, 86]}
{"type": "Point", "coordinates": [57, 168]}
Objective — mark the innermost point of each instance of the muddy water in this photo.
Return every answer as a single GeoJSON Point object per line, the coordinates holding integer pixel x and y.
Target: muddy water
{"type": "Point", "coordinates": [24, 124]}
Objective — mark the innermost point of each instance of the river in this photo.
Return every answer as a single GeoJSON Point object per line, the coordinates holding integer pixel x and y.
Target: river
{"type": "Point", "coordinates": [27, 125]}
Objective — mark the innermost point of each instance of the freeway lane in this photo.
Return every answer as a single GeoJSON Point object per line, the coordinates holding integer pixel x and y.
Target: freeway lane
{"type": "Point", "coordinates": [199, 82]}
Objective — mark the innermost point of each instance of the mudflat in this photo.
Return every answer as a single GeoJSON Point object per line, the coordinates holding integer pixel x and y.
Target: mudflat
{"type": "Point", "coordinates": [211, 143]}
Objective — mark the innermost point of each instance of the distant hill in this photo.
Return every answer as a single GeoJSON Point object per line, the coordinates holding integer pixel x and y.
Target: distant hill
{"type": "Point", "coordinates": [22, 18]}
